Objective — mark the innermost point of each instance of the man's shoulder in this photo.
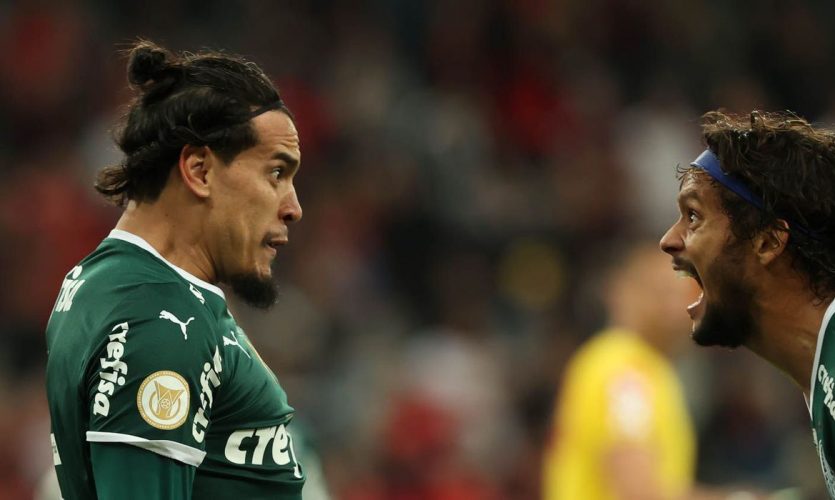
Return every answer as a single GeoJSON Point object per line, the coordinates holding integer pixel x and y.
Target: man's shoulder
{"type": "Point", "coordinates": [123, 280]}
{"type": "Point", "coordinates": [119, 262]}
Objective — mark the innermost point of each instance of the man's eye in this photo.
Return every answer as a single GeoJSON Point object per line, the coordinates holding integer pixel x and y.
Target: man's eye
{"type": "Point", "coordinates": [277, 172]}
{"type": "Point", "coordinates": [692, 216]}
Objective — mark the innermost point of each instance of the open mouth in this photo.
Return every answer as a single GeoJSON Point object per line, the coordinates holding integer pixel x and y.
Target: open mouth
{"type": "Point", "coordinates": [696, 309]}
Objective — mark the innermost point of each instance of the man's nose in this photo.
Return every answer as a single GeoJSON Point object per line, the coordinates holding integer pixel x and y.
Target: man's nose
{"type": "Point", "coordinates": [671, 242]}
{"type": "Point", "coordinates": [291, 209]}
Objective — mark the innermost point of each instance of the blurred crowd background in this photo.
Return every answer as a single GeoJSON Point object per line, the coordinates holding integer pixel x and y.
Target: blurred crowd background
{"type": "Point", "coordinates": [466, 166]}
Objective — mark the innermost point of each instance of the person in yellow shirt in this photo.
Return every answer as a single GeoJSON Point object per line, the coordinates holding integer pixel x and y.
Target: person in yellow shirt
{"type": "Point", "coordinates": [621, 427]}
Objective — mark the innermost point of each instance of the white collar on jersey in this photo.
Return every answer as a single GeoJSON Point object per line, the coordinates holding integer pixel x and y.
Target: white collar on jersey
{"type": "Point", "coordinates": [119, 234]}
{"type": "Point", "coordinates": [827, 317]}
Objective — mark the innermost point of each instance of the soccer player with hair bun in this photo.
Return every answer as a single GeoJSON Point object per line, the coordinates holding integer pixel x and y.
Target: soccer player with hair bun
{"type": "Point", "coordinates": [154, 391]}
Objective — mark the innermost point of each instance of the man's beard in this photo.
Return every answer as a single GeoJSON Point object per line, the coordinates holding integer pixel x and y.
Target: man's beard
{"type": "Point", "coordinates": [729, 320]}
{"type": "Point", "coordinates": [254, 290]}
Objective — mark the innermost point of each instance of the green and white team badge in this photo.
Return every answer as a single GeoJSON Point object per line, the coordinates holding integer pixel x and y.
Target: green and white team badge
{"type": "Point", "coordinates": [163, 400]}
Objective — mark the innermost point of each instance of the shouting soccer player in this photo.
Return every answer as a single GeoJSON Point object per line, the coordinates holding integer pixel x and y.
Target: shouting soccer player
{"type": "Point", "coordinates": [757, 232]}
{"type": "Point", "coordinates": [154, 391]}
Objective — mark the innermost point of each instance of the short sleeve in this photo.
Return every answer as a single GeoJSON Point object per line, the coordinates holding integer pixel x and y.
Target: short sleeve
{"type": "Point", "coordinates": [155, 367]}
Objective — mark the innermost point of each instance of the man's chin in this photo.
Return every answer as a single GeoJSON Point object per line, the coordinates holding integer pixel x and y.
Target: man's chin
{"type": "Point", "coordinates": [255, 289]}
{"type": "Point", "coordinates": [717, 328]}
{"type": "Point", "coordinates": [705, 338]}
{"type": "Point", "coordinates": [728, 319]}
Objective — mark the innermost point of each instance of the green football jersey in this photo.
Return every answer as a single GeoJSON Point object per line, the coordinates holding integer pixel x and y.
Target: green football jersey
{"type": "Point", "coordinates": [822, 399]}
{"type": "Point", "coordinates": [143, 355]}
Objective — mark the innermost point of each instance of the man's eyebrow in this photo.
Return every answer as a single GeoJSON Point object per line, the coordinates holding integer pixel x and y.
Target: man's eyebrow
{"type": "Point", "coordinates": [688, 194]}
{"type": "Point", "coordinates": [287, 158]}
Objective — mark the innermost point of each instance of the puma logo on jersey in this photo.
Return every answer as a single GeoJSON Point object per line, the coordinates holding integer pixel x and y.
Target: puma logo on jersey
{"type": "Point", "coordinates": [170, 317]}
{"type": "Point", "coordinates": [227, 341]}
{"type": "Point", "coordinates": [197, 293]}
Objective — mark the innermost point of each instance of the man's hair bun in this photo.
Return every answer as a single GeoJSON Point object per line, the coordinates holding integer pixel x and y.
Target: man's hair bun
{"type": "Point", "coordinates": [147, 62]}
{"type": "Point", "coordinates": [182, 98]}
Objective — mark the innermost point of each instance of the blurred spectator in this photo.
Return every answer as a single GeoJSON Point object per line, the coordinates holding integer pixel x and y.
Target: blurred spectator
{"type": "Point", "coordinates": [622, 428]}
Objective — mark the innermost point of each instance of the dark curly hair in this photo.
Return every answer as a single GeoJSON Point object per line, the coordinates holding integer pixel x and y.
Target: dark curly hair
{"type": "Point", "coordinates": [790, 165]}
{"type": "Point", "coordinates": [203, 99]}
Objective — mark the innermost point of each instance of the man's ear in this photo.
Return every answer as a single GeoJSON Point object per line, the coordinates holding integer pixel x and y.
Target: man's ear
{"type": "Point", "coordinates": [771, 242]}
{"type": "Point", "coordinates": [194, 166]}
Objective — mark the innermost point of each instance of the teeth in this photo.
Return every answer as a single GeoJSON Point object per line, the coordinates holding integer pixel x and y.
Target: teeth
{"type": "Point", "coordinates": [699, 299]}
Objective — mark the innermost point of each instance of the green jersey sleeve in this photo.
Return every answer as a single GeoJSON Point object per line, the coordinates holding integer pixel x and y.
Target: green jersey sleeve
{"type": "Point", "coordinates": [126, 472]}
{"type": "Point", "coordinates": [156, 362]}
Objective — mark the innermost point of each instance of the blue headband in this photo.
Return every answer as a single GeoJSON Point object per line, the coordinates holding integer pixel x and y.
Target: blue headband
{"type": "Point", "coordinates": [709, 162]}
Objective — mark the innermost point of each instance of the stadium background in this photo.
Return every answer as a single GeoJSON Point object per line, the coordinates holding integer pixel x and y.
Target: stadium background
{"type": "Point", "coordinates": [466, 164]}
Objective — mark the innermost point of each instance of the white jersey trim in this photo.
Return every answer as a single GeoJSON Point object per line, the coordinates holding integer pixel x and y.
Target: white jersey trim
{"type": "Point", "coordinates": [119, 234]}
{"type": "Point", "coordinates": [171, 449]}
{"type": "Point", "coordinates": [827, 316]}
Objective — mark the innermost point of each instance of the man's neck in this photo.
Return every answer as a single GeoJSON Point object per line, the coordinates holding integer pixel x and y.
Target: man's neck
{"type": "Point", "coordinates": [790, 323]}
{"type": "Point", "coordinates": [169, 233]}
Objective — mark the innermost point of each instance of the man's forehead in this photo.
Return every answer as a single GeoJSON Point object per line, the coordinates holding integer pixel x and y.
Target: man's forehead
{"type": "Point", "coordinates": [277, 123]}
{"type": "Point", "coordinates": [694, 179]}
{"type": "Point", "coordinates": [277, 132]}
{"type": "Point", "coordinates": [697, 184]}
